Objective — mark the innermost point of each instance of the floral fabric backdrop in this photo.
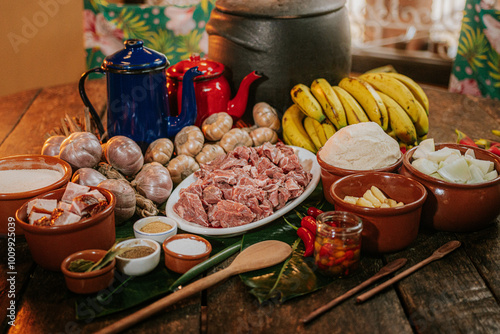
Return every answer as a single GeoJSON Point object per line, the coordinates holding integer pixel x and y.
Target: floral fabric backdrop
{"type": "Point", "coordinates": [476, 70]}
{"type": "Point", "coordinates": [177, 30]}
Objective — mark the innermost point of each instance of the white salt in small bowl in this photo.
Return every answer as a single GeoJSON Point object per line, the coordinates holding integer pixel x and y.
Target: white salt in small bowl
{"type": "Point", "coordinates": [155, 220]}
{"type": "Point", "coordinates": [140, 265]}
{"type": "Point", "coordinates": [184, 251]}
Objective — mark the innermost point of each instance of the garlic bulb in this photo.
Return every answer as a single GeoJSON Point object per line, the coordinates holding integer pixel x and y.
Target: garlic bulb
{"type": "Point", "coordinates": [81, 149]}
{"type": "Point", "coordinates": [154, 182]}
{"type": "Point", "coordinates": [125, 198]}
{"type": "Point", "coordinates": [124, 154]}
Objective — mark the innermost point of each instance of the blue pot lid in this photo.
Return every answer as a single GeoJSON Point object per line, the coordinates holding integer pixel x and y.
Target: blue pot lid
{"type": "Point", "coordinates": [135, 58]}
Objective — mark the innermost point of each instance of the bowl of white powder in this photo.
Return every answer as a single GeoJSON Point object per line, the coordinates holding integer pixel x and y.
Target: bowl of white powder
{"type": "Point", "coordinates": [23, 177]}
{"type": "Point", "coordinates": [356, 148]}
{"type": "Point", "coordinates": [184, 251]}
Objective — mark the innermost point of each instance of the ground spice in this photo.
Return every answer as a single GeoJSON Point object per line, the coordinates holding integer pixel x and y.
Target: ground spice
{"type": "Point", "coordinates": [155, 227]}
{"type": "Point", "coordinates": [138, 251]}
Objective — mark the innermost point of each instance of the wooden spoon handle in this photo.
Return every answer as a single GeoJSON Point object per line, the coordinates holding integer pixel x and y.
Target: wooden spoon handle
{"type": "Point", "coordinates": [442, 251]}
{"type": "Point", "coordinates": [171, 299]}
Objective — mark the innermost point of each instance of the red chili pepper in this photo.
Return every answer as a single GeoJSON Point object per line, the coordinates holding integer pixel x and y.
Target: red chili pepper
{"type": "Point", "coordinates": [314, 212]}
{"type": "Point", "coordinates": [327, 250]}
{"type": "Point", "coordinates": [310, 223]}
{"type": "Point", "coordinates": [308, 240]}
{"type": "Point", "coordinates": [464, 139]}
{"type": "Point", "coordinates": [495, 150]}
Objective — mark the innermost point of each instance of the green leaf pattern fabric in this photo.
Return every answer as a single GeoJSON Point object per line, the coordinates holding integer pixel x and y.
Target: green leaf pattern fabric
{"type": "Point", "coordinates": [175, 30]}
{"type": "Point", "coordinates": [476, 69]}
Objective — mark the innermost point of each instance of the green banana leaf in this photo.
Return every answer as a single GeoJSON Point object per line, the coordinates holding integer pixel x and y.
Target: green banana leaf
{"type": "Point", "coordinates": [294, 277]}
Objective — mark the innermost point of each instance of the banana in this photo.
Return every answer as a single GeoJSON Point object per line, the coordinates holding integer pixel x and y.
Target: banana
{"type": "Point", "coordinates": [353, 110]}
{"type": "Point", "coordinates": [415, 88]}
{"type": "Point", "coordinates": [303, 98]}
{"type": "Point", "coordinates": [315, 132]}
{"type": "Point", "coordinates": [401, 123]}
{"type": "Point", "coordinates": [396, 90]}
{"type": "Point", "coordinates": [329, 101]}
{"type": "Point", "coordinates": [328, 128]}
{"type": "Point", "coordinates": [496, 132]}
{"type": "Point", "coordinates": [293, 130]}
{"type": "Point", "coordinates": [422, 124]}
{"type": "Point", "coordinates": [368, 98]}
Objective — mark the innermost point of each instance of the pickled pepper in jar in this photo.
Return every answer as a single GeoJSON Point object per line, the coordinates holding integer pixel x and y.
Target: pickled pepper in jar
{"type": "Point", "coordinates": [337, 246]}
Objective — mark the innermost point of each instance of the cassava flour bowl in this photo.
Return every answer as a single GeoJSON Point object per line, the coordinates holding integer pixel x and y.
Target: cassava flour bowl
{"type": "Point", "coordinates": [356, 148]}
{"type": "Point", "coordinates": [22, 178]}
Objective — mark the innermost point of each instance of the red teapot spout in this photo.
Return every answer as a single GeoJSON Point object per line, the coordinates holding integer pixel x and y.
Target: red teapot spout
{"type": "Point", "coordinates": [236, 107]}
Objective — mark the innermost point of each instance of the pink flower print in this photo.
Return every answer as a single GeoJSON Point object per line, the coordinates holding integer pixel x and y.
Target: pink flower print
{"type": "Point", "coordinates": [203, 45]}
{"type": "Point", "coordinates": [466, 86]}
{"type": "Point", "coordinates": [180, 20]}
{"type": "Point", "coordinates": [100, 33]}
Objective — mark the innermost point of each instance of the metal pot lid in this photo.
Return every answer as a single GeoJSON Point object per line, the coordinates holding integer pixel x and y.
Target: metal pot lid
{"type": "Point", "coordinates": [210, 68]}
{"type": "Point", "coordinates": [279, 8]}
{"type": "Point", "coordinates": [134, 58]}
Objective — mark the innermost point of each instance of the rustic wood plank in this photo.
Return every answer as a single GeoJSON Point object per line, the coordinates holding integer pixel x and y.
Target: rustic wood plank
{"type": "Point", "coordinates": [448, 295]}
{"type": "Point", "coordinates": [20, 276]}
{"type": "Point", "coordinates": [483, 248]}
{"type": "Point", "coordinates": [474, 116]}
{"type": "Point", "coordinates": [12, 109]}
{"type": "Point", "coordinates": [46, 112]}
{"type": "Point", "coordinates": [48, 307]}
{"type": "Point", "coordinates": [247, 315]}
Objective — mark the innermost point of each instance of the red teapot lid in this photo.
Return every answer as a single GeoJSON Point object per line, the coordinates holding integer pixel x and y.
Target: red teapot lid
{"type": "Point", "coordinates": [209, 68]}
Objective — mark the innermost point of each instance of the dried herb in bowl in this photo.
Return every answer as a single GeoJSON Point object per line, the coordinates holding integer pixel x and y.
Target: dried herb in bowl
{"type": "Point", "coordinates": [82, 265]}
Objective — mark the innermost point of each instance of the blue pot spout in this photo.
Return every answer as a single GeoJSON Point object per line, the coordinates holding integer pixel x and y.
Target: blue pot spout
{"type": "Point", "coordinates": [188, 111]}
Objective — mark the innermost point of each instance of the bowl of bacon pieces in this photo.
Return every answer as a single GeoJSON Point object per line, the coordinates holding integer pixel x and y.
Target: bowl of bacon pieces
{"type": "Point", "coordinates": [67, 220]}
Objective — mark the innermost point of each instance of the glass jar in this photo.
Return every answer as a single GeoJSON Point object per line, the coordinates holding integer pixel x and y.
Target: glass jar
{"type": "Point", "coordinates": [338, 242]}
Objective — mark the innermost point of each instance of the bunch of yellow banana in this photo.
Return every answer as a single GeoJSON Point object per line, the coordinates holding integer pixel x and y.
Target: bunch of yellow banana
{"type": "Point", "coordinates": [392, 100]}
{"type": "Point", "coordinates": [304, 131]}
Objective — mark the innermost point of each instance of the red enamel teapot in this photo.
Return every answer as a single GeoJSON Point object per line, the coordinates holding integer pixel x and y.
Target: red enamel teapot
{"type": "Point", "coordinates": [212, 90]}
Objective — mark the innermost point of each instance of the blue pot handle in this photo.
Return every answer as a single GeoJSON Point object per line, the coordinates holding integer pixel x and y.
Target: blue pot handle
{"type": "Point", "coordinates": [86, 101]}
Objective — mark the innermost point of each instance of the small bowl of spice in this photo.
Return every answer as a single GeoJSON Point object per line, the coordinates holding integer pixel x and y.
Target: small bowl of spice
{"type": "Point", "coordinates": [184, 251]}
{"type": "Point", "coordinates": [141, 257]}
{"type": "Point", "coordinates": [83, 274]}
{"type": "Point", "coordinates": [157, 228]}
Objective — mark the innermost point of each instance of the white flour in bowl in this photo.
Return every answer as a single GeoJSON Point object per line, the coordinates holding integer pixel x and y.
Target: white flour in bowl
{"type": "Point", "coordinates": [21, 180]}
{"type": "Point", "coordinates": [187, 246]}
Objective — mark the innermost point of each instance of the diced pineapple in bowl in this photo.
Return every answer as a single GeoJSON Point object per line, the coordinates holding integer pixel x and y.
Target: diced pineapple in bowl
{"type": "Point", "coordinates": [462, 182]}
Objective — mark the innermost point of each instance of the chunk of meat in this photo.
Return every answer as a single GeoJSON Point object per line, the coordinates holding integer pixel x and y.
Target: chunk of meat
{"type": "Point", "coordinates": [190, 208]}
{"type": "Point", "coordinates": [212, 194]}
{"type": "Point", "coordinates": [231, 214]}
{"type": "Point", "coordinates": [41, 205]}
{"type": "Point", "coordinates": [73, 190]}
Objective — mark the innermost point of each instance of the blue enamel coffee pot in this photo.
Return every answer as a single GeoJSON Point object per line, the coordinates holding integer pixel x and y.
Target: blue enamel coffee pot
{"type": "Point", "coordinates": [137, 95]}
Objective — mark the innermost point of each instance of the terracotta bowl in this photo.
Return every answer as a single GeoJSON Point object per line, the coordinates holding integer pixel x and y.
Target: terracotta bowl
{"type": "Point", "coordinates": [457, 207]}
{"type": "Point", "coordinates": [50, 245]}
{"type": "Point", "coordinates": [179, 262]}
{"type": "Point", "coordinates": [384, 229]}
{"type": "Point", "coordinates": [140, 265]}
{"type": "Point", "coordinates": [92, 281]}
{"type": "Point", "coordinates": [10, 202]}
{"type": "Point", "coordinates": [330, 174]}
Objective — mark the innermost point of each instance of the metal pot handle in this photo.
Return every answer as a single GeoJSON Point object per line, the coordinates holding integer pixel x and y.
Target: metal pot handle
{"type": "Point", "coordinates": [86, 101]}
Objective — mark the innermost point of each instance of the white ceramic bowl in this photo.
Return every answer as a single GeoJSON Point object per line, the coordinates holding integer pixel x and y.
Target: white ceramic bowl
{"type": "Point", "coordinates": [161, 236]}
{"type": "Point", "coordinates": [141, 265]}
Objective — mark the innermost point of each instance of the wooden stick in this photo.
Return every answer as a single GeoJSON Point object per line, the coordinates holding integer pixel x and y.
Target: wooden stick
{"type": "Point", "coordinates": [439, 253]}
{"type": "Point", "coordinates": [384, 271]}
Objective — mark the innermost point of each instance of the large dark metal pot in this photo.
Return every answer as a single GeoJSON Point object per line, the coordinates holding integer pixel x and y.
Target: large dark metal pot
{"type": "Point", "coordinates": [289, 41]}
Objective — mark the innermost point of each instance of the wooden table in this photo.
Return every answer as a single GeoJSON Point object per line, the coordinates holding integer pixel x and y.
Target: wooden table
{"type": "Point", "coordinates": [458, 294]}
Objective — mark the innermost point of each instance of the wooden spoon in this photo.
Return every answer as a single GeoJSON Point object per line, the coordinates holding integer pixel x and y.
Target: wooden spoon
{"type": "Point", "coordinates": [260, 255]}
{"type": "Point", "coordinates": [438, 253]}
{"type": "Point", "coordinates": [384, 271]}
